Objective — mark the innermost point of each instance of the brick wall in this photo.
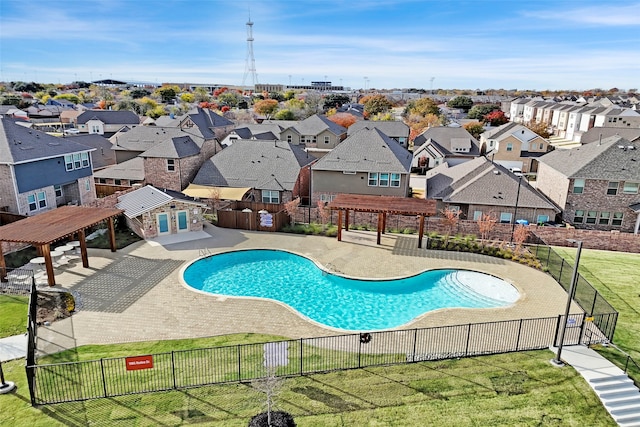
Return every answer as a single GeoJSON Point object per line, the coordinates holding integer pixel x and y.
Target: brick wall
{"type": "Point", "coordinates": [156, 172]}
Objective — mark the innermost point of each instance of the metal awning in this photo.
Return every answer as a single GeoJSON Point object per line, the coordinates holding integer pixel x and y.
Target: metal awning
{"type": "Point", "coordinates": [223, 193]}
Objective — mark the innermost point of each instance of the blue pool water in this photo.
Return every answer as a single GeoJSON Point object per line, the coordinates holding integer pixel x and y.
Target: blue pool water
{"type": "Point", "coordinates": [339, 302]}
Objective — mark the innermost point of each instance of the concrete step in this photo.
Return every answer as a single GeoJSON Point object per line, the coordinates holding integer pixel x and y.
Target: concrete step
{"type": "Point", "coordinates": [629, 410]}
{"type": "Point", "coordinates": [614, 385]}
{"type": "Point", "coordinates": [622, 393]}
{"type": "Point", "coordinates": [629, 421]}
{"type": "Point", "coordinates": [608, 379]}
{"type": "Point", "coordinates": [623, 401]}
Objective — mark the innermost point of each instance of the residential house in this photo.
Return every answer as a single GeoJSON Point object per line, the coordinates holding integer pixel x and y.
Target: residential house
{"type": "Point", "coordinates": [600, 133]}
{"type": "Point", "coordinates": [269, 171]}
{"type": "Point", "coordinates": [151, 212]}
{"type": "Point", "coordinates": [172, 163]}
{"type": "Point", "coordinates": [105, 122]}
{"type": "Point", "coordinates": [514, 146]}
{"type": "Point", "coordinates": [393, 129]}
{"type": "Point", "coordinates": [210, 124]}
{"type": "Point", "coordinates": [102, 155]}
{"type": "Point", "coordinates": [317, 133]}
{"type": "Point", "coordinates": [367, 162]}
{"type": "Point", "coordinates": [596, 185]}
{"type": "Point", "coordinates": [39, 172]}
{"type": "Point", "coordinates": [437, 145]}
{"type": "Point", "coordinates": [615, 116]}
{"type": "Point", "coordinates": [267, 131]}
{"type": "Point", "coordinates": [480, 187]}
{"type": "Point", "coordinates": [126, 174]}
{"type": "Point", "coordinates": [516, 109]}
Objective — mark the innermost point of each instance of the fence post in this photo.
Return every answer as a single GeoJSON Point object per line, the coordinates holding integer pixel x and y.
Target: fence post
{"type": "Point", "coordinates": [173, 369]}
{"type": "Point", "coordinates": [555, 335]}
{"type": "Point", "coordinates": [415, 343]}
{"type": "Point", "coordinates": [582, 330]}
{"type": "Point", "coordinates": [593, 305]}
{"type": "Point", "coordinates": [560, 275]}
{"type": "Point", "coordinates": [548, 255]}
{"type": "Point", "coordinates": [239, 364]}
{"type": "Point", "coordinates": [30, 370]}
{"type": "Point", "coordinates": [301, 356]}
{"type": "Point", "coordinates": [104, 379]}
{"type": "Point", "coordinates": [466, 349]}
{"type": "Point", "coordinates": [359, 351]}
{"type": "Point", "coordinates": [518, 339]}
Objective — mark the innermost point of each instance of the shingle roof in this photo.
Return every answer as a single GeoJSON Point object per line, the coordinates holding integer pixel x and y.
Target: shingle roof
{"type": "Point", "coordinates": [103, 155]}
{"type": "Point", "coordinates": [314, 125]}
{"type": "Point", "coordinates": [368, 150]}
{"type": "Point", "coordinates": [206, 121]}
{"type": "Point", "coordinates": [596, 133]}
{"type": "Point", "coordinates": [19, 144]}
{"type": "Point", "coordinates": [265, 165]}
{"type": "Point", "coordinates": [177, 147]}
{"type": "Point", "coordinates": [132, 169]}
{"type": "Point", "coordinates": [143, 138]}
{"type": "Point", "coordinates": [605, 160]}
{"type": "Point", "coordinates": [443, 137]}
{"type": "Point", "coordinates": [389, 128]}
{"type": "Point", "coordinates": [476, 182]}
{"type": "Point", "coordinates": [110, 117]}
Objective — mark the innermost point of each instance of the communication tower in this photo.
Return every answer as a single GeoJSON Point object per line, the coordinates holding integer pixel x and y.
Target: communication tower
{"type": "Point", "coordinates": [250, 66]}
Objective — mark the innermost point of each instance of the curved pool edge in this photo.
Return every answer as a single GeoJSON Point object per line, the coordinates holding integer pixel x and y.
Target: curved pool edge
{"type": "Point", "coordinates": [223, 297]}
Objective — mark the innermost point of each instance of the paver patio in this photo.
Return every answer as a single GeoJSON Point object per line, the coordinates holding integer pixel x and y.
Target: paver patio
{"type": "Point", "coordinates": [136, 293]}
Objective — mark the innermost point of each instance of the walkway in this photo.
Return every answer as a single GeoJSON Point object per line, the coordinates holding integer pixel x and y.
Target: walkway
{"type": "Point", "coordinates": [615, 389]}
{"type": "Point", "coordinates": [14, 347]}
{"type": "Point", "coordinates": [136, 294]}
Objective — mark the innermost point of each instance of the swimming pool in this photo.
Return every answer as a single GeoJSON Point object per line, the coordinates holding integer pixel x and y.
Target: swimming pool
{"type": "Point", "coordinates": [341, 302]}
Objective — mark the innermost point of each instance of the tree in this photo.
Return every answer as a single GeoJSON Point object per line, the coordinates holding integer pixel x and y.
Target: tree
{"type": "Point", "coordinates": [520, 235]}
{"type": "Point", "coordinates": [374, 104]}
{"type": "Point", "coordinates": [284, 115]}
{"type": "Point", "coordinates": [266, 107]}
{"type": "Point", "coordinates": [542, 129]}
{"type": "Point", "coordinates": [324, 214]}
{"type": "Point", "coordinates": [496, 118]}
{"type": "Point", "coordinates": [335, 100]}
{"type": "Point", "coordinates": [422, 107]}
{"type": "Point", "coordinates": [419, 124]}
{"type": "Point", "coordinates": [343, 119]}
{"type": "Point", "coordinates": [201, 94]}
{"type": "Point", "coordinates": [291, 208]}
{"type": "Point", "coordinates": [478, 112]}
{"type": "Point", "coordinates": [167, 93]}
{"type": "Point", "coordinates": [486, 224]}
{"type": "Point", "coordinates": [230, 99]}
{"type": "Point", "coordinates": [383, 117]}
{"type": "Point", "coordinates": [187, 97]}
{"type": "Point", "coordinates": [450, 220]}
{"type": "Point", "coordinates": [462, 102]}
{"type": "Point", "coordinates": [138, 93]}
{"type": "Point", "coordinates": [474, 128]}
{"type": "Point", "coordinates": [69, 97]}
{"type": "Point", "coordinates": [11, 99]}
{"type": "Point", "coordinates": [154, 113]}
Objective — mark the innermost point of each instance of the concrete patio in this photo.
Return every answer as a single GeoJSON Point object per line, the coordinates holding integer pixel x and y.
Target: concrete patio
{"type": "Point", "coordinates": [136, 293]}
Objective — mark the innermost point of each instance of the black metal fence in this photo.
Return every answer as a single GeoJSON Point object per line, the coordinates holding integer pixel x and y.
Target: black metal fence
{"type": "Point", "coordinates": [585, 295]}
{"type": "Point", "coordinates": [16, 281]}
{"type": "Point", "coordinates": [32, 330]}
{"type": "Point", "coordinates": [76, 381]}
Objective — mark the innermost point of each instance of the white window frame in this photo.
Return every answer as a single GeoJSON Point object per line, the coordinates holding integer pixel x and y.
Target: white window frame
{"type": "Point", "coordinates": [87, 185]}
{"type": "Point", "coordinates": [576, 187]}
{"type": "Point", "coordinates": [171, 165]}
{"type": "Point", "coordinates": [41, 196]}
{"type": "Point", "coordinates": [509, 146]}
{"type": "Point", "coordinates": [68, 162]}
{"type": "Point", "coordinates": [477, 215]}
{"type": "Point", "coordinates": [58, 190]}
{"type": "Point", "coordinates": [604, 218]}
{"type": "Point", "coordinates": [617, 218]}
{"type": "Point", "coordinates": [630, 188]}
{"type": "Point", "coordinates": [395, 179]}
{"type": "Point", "coordinates": [32, 202]}
{"type": "Point", "coordinates": [268, 196]}
{"type": "Point", "coordinates": [372, 179]}
{"type": "Point", "coordinates": [579, 218]}
{"type": "Point", "coordinates": [503, 217]}
{"type": "Point", "coordinates": [383, 179]}
{"type": "Point", "coordinates": [612, 188]}
{"type": "Point", "coordinates": [542, 218]}
{"type": "Point", "coordinates": [84, 157]}
{"type": "Point", "coordinates": [591, 217]}
{"type": "Point", "coordinates": [327, 139]}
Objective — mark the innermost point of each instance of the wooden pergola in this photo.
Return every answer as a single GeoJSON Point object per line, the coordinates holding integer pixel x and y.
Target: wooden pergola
{"type": "Point", "coordinates": [49, 227]}
{"type": "Point", "coordinates": [383, 206]}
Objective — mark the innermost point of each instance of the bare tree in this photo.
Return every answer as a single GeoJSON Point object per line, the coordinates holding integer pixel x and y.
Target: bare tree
{"type": "Point", "coordinates": [291, 207]}
{"type": "Point", "coordinates": [214, 201]}
{"type": "Point", "coordinates": [450, 220]}
{"type": "Point", "coordinates": [486, 224]}
{"type": "Point", "coordinates": [271, 386]}
{"type": "Point", "coordinates": [324, 214]}
{"type": "Point", "coordinates": [520, 235]}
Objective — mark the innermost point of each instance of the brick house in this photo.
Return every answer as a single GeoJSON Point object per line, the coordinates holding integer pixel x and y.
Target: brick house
{"type": "Point", "coordinates": [173, 163]}
{"type": "Point", "coordinates": [480, 187]}
{"type": "Point", "coordinates": [597, 185]}
{"type": "Point", "coordinates": [514, 146]}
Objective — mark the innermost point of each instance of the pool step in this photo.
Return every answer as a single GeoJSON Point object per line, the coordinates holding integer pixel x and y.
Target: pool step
{"type": "Point", "coordinates": [459, 290]}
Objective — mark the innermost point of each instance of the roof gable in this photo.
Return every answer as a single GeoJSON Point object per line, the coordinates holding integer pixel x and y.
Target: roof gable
{"type": "Point", "coordinates": [142, 200]}
{"type": "Point", "coordinates": [110, 117]}
{"type": "Point", "coordinates": [316, 124]}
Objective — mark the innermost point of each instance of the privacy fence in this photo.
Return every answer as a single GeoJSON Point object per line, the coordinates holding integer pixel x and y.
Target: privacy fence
{"type": "Point", "coordinates": [109, 377]}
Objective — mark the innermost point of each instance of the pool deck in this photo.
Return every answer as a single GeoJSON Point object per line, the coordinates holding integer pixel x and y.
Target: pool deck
{"type": "Point", "coordinates": [136, 293]}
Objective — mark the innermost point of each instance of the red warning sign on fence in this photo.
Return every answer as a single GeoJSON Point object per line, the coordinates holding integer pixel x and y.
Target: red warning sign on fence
{"type": "Point", "coordinates": [139, 362]}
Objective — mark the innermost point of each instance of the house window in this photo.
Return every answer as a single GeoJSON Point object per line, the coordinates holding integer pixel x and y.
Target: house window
{"type": "Point", "coordinates": [87, 185]}
{"type": "Point", "coordinates": [509, 146]}
{"type": "Point", "coordinates": [541, 146]}
{"type": "Point", "coordinates": [117, 182]}
{"type": "Point", "coordinates": [617, 219]}
{"type": "Point", "coordinates": [542, 218]}
{"type": "Point", "coordinates": [630, 188]}
{"type": "Point", "coordinates": [477, 215]}
{"type": "Point", "coordinates": [327, 139]}
{"type": "Point", "coordinates": [591, 217]}
{"type": "Point", "coordinates": [578, 186]}
{"type": "Point", "coordinates": [612, 189]}
{"type": "Point", "coordinates": [505, 217]}
{"type": "Point", "coordinates": [68, 162]}
{"type": "Point", "coordinates": [77, 161]}
{"type": "Point", "coordinates": [58, 190]}
{"type": "Point", "coordinates": [578, 217]}
{"type": "Point", "coordinates": [395, 180]}
{"type": "Point", "coordinates": [31, 199]}
{"type": "Point", "coordinates": [102, 180]}
{"type": "Point", "coordinates": [289, 138]}
{"type": "Point", "coordinates": [171, 165]}
{"type": "Point", "coordinates": [313, 139]}
{"type": "Point", "coordinates": [42, 200]}
{"type": "Point", "coordinates": [270, 196]}
{"type": "Point", "coordinates": [373, 179]}
{"type": "Point", "coordinates": [85, 159]}
{"type": "Point", "coordinates": [384, 180]}
{"type": "Point", "coordinates": [604, 218]}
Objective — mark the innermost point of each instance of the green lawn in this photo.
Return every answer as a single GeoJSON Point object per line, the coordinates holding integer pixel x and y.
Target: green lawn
{"type": "Point", "coordinates": [13, 315]}
{"type": "Point", "coordinates": [521, 389]}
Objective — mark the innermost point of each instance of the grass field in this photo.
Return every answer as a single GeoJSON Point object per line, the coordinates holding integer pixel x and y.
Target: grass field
{"type": "Point", "coordinates": [504, 390]}
{"type": "Point", "coordinates": [13, 315]}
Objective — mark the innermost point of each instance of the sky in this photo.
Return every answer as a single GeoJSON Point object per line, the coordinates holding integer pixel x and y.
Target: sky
{"type": "Point", "coordinates": [384, 44]}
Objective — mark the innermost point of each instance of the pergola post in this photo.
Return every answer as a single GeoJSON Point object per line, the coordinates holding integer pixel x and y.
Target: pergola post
{"type": "Point", "coordinates": [48, 263]}
{"type": "Point", "coordinates": [339, 225]}
{"type": "Point", "coordinates": [378, 238]}
{"type": "Point", "coordinates": [83, 248]}
{"type": "Point", "coordinates": [112, 234]}
{"type": "Point", "coordinates": [421, 232]}
{"type": "Point", "coordinates": [3, 266]}
{"type": "Point", "coordinates": [346, 220]}
{"type": "Point", "coordinates": [384, 222]}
